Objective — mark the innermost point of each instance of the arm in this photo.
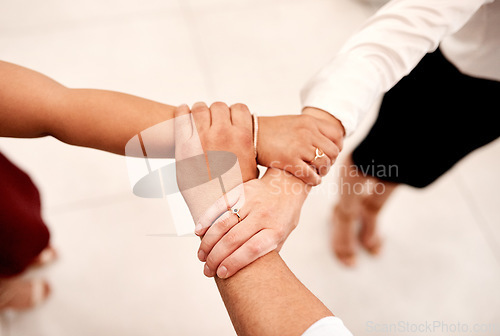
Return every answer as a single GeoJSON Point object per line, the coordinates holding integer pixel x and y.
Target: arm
{"type": "Point", "coordinates": [387, 48]}
{"type": "Point", "coordinates": [265, 298]}
{"type": "Point", "coordinates": [33, 105]}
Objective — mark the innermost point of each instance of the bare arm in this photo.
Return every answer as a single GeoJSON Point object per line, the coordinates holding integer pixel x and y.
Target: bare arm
{"type": "Point", "coordinates": [33, 105]}
{"type": "Point", "coordinates": [265, 298]}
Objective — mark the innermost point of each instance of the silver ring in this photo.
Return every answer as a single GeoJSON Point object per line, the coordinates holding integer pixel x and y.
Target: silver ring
{"type": "Point", "coordinates": [319, 154]}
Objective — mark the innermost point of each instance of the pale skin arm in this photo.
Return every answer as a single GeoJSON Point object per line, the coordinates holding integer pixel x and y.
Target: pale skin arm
{"type": "Point", "coordinates": [33, 105]}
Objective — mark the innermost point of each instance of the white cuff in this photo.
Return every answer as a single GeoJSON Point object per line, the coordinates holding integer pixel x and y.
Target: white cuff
{"type": "Point", "coordinates": [347, 87]}
{"type": "Point", "coordinates": [330, 325]}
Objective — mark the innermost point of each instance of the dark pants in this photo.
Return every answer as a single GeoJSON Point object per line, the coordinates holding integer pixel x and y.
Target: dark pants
{"type": "Point", "coordinates": [428, 121]}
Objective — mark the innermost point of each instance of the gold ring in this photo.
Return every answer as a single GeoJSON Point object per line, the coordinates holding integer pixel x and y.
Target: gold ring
{"type": "Point", "coordinates": [237, 213]}
{"type": "Point", "coordinates": [319, 154]}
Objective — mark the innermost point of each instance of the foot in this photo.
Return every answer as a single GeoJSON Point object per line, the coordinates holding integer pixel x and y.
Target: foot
{"type": "Point", "coordinates": [343, 236]}
{"type": "Point", "coordinates": [20, 294]}
{"type": "Point", "coordinates": [356, 222]}
{"type": "Point", "coordinates": [368, 236]}
{"type": "Point", "coordinates": [47, 256]}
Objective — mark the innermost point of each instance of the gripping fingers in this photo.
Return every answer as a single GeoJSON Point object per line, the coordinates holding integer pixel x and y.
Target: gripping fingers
{"type": "Point", "coordinates": [240, 116]}
{"type": "Point", "coordinates": [233, 199]}
{"type": "Point", "coordinates": [331, 150]}
{"type": "Point", "coordinates": [220, 113]}
{"type": "Point", "coordinates": [201, 115]}
{"type": "Point", "coordinates": [322, 165]}
{"type": "Point", "coordinates": [221, 226]}
{"type": "Point", "coordinates": [257, 246]}
{"type": "Point", "coordinates": [303, 171]}
{"type": "Point", "coordinates": [231, 241]}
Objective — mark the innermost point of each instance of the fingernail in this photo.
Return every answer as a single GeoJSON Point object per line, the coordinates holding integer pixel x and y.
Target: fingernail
{"type": "Point", "coordinates": [207, 270]}
{"type": "Point", "coordinates": [201, 255]}
{"type": "Point", "coordinates": [198, 228]}
{"type": "Point", "coordinates": [222, 272]}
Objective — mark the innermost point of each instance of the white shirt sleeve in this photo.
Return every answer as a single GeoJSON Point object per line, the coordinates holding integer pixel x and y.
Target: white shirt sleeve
{"type": "Point", "coordinates": [387, 48]}
{"type": "Point", "coordinates": [328, 326]}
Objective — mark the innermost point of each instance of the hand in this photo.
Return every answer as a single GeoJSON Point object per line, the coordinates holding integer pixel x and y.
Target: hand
{"type": "Point", "coordinates": [229, 129]}
{"type": "Point", "coordinates": [210, 147]}
{"type": "Point", "coordinates": [270, 212]}
{"type": "Point", "coordinates": [290, 142]}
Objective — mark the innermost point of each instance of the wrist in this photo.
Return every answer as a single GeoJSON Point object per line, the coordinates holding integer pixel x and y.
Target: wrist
{"type": "Point", "coordinates": [289, 185]}
{"type": "Point", "coordinates": [323, 115]}
{"type": "Point", "coordinates": [249, 173]}
{"type": "Point", "coordinates": [262, 123]}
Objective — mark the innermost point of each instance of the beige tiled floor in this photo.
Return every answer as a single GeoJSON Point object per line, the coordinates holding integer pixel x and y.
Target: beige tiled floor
{"type": "Point", "coordinates": [442, 244]}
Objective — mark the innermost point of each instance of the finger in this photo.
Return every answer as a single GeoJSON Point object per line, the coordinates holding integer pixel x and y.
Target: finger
{"type": "Point", "coordinates": [321, 165]}
{"type": "Point", "coordinates": [318, 164]}
{"type": "Point", "coordinates": [183, 124]}
{"type": "Point", "coordinates": [235, 198]}
{"type": "Point", "coordinates": [231, 241]}
{"type": "Point", "coordinates": [335, 134]}
{"type": "Point", "coordinates": [302, 170]}
{"type": "Point", "coordinates": [218, 229]}
{"type": "Point", "coordinates": [215, 232]}
{"type": "Point", "coordinates": [201, 115]}
{"type": "Point", "coordinates": [221, 116]}
{"type": "Point", "coordinates": [241, 116]}
{"type": "Point", "coordinates": [327, 146]}
{"type": "Point", "coordinates": [260, 244]}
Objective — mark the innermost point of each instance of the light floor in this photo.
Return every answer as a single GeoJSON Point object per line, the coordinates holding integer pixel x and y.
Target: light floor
{"type": "Point", "coordinates": [441, 258]}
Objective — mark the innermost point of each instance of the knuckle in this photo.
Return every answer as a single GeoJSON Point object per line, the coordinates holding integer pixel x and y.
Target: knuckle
{"type": "Point", "coordinates": [244, 137]}
{"type": "Point", "coordinates": [240, 106]}
{"type": "Point", "coordinates": [311, 180]}
{"type": "Point", "coordinates": [265, 214]}
{"type": "Point", "coordinates": [231, 264]}
{"type": "Point", "coordinates": [212, 261]}
{"type": "Point", "coordinates": [225, 224]}
{"type": "Point", "coordinates": [230, 239]}
{"type": "Point", "coordinates": [308, 121]}
{"type": "Point", "coordinates": [335, 152]}
{"type": "Point", "coordinates": [255, 247]}
{"type": "Point", "coordinates": [304, 133]}
{"type": "Point", "coordinates": [279, 234]}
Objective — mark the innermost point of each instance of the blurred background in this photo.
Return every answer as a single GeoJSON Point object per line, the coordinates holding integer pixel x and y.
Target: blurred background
{"type": "Point", "coordinates": [441, 257]}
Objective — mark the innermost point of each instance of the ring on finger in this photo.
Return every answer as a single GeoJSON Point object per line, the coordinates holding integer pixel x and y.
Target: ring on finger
{"type": "Point", "coordinates": [236, 211]}
{"type": "Point", "coordinates": [319, 154]}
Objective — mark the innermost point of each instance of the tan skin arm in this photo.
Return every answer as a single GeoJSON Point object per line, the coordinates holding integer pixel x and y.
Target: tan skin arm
{"type": "Point", "coordinates": [33, 105]}
{"type": "Point", "coordinates": [265, 298]}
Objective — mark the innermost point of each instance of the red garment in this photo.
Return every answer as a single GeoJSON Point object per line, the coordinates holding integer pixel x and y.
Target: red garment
{"type": "Point", "coordinates": [23, 234]}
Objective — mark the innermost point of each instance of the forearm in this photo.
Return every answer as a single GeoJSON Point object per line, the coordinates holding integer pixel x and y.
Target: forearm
{"type": "Point", "coordinates": [33, 105]}
{"type": "Point", "coordinates": [107, 120]}
{"type": "Point", "coordinates": [265, 298]}
{"type": "Point", "coordinates": [287, 185]}
{"type": "Point", "coordinates": [387, 48]}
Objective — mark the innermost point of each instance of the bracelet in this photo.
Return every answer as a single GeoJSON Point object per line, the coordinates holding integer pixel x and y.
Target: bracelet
{"type": "Point", "coordinates": [255, 132]}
